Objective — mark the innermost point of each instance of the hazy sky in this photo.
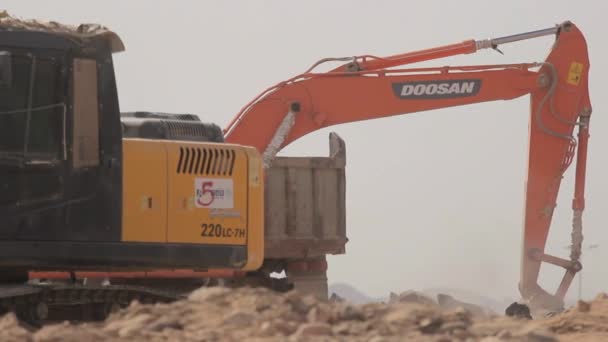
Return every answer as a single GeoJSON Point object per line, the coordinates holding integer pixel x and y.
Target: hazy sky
{"type": "Point", "coordinates": [434, 198]}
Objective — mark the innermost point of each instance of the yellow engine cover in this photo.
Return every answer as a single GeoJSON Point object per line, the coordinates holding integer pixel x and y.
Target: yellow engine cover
{"type": "Point", "coordinates": [178, 192]}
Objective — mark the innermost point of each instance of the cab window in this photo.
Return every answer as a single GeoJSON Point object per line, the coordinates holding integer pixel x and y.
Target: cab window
{"type": "Point", "coordinates": [31, 108]}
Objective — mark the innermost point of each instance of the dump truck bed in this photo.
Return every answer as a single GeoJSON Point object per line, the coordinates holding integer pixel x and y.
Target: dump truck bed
{"type": "Point", "coordinates": [305, 214]}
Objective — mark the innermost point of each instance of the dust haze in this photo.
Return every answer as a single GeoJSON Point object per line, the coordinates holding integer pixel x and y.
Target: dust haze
{"type": "Point", "coordinates": [434, 199]}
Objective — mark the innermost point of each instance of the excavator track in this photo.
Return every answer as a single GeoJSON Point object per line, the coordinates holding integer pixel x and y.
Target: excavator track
{"type": "Point", "coordinates": [37, 304]}
{"type": "Point", "coordinates": [40, 302]}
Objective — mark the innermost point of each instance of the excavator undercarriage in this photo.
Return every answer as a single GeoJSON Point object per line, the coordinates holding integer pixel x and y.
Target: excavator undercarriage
{"type": "Point", "coordinates": [92, 299]}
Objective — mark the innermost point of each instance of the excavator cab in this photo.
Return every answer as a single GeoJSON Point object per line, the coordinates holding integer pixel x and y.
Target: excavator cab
{"type": "Point", "coordinates": [59, 145]}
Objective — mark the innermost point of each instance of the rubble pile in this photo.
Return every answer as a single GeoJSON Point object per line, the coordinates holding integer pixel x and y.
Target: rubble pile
{"type": "Point", "coordinates": [82, 31]}
{"type": "Point", "coordinates": [12, 22]}
{"type": "Point", "coordinates": [221, 314]}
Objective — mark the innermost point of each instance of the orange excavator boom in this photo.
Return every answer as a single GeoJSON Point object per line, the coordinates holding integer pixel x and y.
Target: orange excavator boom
{"type": "Point", "coordinates": [367, 88]}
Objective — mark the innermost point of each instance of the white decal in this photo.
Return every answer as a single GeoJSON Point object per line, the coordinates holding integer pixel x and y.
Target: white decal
{"type": "Point", "coordinates": [441, 89]}
{"type": "Point", "coordinates": [213, 193]}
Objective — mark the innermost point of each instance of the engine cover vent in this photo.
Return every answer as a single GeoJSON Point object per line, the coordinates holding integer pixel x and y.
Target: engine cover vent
{"type": "Point", "coordinates": [206, 161]}
{"type": "Point", "coordinates": [186, 127]}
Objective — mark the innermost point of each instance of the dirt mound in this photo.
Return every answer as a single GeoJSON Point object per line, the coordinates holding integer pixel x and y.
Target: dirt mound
{"type": "Point", "coordinates": [215, 314]}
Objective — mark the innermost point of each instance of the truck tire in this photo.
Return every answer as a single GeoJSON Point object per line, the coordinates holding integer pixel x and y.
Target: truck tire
{"type": "Point", "coordinates": [309, 277]}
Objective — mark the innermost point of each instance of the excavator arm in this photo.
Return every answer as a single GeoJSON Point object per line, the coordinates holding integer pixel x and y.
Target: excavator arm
{"type": "Point", "coordinates": [369, 87]}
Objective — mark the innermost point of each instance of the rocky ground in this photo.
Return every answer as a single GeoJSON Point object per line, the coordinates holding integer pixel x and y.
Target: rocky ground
{"type": "Point", "coordinates": [218, 314]}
